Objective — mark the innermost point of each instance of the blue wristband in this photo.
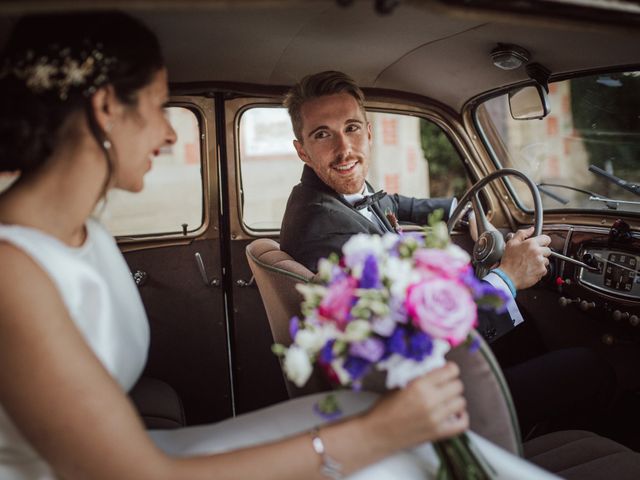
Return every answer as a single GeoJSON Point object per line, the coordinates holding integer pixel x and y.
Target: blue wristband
{"type": "Point", "coordinates": [505, 278]}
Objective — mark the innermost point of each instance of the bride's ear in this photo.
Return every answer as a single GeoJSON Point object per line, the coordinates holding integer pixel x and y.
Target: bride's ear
{"type": "Point", "coordinates": [106, 107]}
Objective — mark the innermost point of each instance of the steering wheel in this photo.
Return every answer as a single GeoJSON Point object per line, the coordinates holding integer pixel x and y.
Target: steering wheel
{"type": "Point", "coordinates": [489, 246]}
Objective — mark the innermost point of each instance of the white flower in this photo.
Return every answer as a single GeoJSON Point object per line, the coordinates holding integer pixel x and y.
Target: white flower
{"type": "Point", "coordinates": [458, 253]}
{"type": "Point", "coordinates": [389, 241]}
{"type": "Point", "coordinates": [313, 338]}
{"type": "Point", "coordinates": [325, 269]}
{"type": "Point", "coordinates": [440, 233]}
{"type": "Point", "coordinates": [311, 290]}
{"type": "Point", "coordinates": [401, 274]}
{"type": "Point", "coordinates": [357, 330]}
{"type": "Point", "coordinates": [358, 248]}
{"type": "Point", "coordinates": [343, 376]}
{"type": "Point", "coordinates": [297, 365]}
{"type": "Point", "coordinates": [401, 370]}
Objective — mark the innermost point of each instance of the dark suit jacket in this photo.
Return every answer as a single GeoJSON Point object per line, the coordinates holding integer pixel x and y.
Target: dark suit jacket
{"type": "Point", "coordinates": [319, 221]}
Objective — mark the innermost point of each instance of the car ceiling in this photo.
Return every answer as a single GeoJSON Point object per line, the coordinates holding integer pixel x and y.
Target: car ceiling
{"type": "Point", "coordinates": [421, 47]}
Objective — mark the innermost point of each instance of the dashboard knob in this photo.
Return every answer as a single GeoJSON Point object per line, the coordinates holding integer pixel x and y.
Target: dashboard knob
{"type": "Point", "coordinates": [634, 320]}
{"type": "Point", "coordinates": [584, 305]}
{"type": "Point", "coordinates": [564, 301]}
{"type": "Point", "coordinates": [618, 315]}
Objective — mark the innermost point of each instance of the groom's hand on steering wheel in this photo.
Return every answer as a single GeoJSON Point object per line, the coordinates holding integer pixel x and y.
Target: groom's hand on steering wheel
{"type": "Point", "coordinates": [525, 258]}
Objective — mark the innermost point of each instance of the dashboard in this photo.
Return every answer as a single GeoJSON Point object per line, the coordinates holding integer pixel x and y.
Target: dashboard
{"type": "Point", "coordinates": [616, 271]}
{"type": "Point", "coordinates": [595, 303]}
{"type": "Point", "coordinates": [608, 291]}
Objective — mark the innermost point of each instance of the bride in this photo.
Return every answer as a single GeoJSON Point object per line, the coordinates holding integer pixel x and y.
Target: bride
{"type": "Point", "coordinates": [81, 112]}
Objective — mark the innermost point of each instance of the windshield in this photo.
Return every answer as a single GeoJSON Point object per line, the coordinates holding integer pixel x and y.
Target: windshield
{"type": "Point", "coordinates": [594, 122]}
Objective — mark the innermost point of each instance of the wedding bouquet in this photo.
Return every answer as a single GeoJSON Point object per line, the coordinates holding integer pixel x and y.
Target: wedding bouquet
{"type": "Point", "coordinates": [394, 304]}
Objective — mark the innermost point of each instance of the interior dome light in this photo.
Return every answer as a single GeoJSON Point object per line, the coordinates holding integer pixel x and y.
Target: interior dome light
{"type": "Point", "coordinates": [509, 57]}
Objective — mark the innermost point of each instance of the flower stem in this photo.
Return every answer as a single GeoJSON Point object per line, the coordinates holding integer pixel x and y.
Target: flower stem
{"type": "Point", "coordinates": [459, 461]}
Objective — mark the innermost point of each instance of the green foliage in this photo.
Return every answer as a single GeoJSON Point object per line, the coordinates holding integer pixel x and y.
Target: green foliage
{"type": "Point", "coordinates": [605, 114]}
{"type": "Point", "coordinates": [329, 405]}
{"type": "Point", "coordinates": [278, 349]}
{"type": "Point", "coordinates": [446, 170]}
{"type": "Point", "coordinates": [436, 234]}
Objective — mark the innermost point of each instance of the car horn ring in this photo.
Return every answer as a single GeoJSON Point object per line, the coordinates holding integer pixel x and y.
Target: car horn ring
{"type": "Point", "coordinates": [489, 246]}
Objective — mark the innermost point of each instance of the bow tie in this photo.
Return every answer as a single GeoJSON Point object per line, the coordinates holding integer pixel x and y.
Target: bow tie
{"type": "Point", "coordinates": [370, 199]}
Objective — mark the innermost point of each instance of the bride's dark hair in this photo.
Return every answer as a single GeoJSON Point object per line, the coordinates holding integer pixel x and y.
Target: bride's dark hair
{"type": "Point", "coordinates": [51, 66]}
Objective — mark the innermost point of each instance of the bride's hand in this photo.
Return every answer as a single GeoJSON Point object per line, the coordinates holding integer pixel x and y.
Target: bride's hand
{"type": "Point", "coordinates": [429, 408]}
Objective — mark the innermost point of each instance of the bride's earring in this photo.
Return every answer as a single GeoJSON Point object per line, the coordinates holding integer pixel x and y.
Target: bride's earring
{"type": "Point", "coordinates": [106, 144]}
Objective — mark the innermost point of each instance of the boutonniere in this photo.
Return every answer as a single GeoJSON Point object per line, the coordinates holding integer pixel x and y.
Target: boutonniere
{"type": "Point", "coordinates": [393, 221]}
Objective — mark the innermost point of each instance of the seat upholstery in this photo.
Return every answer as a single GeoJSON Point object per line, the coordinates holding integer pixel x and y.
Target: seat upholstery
{"type": "Point", "coordinates": [158, 404]}
{"type": "Point", "coordinates": [576, 454]}
{"type": "Point", "coordinates": [276, 275]}
{"type": "Point", "coordinates": [572, 454]}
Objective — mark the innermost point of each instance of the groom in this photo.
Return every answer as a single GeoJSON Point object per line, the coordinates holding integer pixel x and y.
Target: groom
{"type": "Point", "coordinates": [333, 202]}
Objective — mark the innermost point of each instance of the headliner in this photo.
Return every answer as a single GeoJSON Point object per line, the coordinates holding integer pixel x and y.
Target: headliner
{"type": "Point", "coordinates": [422, 48]}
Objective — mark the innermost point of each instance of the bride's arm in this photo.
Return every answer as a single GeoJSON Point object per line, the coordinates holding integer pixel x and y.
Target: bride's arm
{"type": "Point", "coordinates": [76, 416]}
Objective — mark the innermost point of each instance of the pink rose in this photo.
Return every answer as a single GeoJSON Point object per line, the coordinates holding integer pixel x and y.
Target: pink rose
{"type": "Point", "coordinates": [443, 263]}
{"type": "Point", "coordinates": [442, 308]}
{"type": "Point", "coordinates": [336, 304]}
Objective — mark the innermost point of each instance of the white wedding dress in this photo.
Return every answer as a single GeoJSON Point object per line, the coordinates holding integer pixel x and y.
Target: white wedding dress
{"type": "Point", "coordinates": [295, 416]}
{"type": "Point", "coordinates": [97, 288]}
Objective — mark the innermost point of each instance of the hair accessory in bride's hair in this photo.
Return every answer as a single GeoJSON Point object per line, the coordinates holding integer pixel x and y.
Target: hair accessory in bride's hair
{"type": "Point", "coordinates": [59, 70]}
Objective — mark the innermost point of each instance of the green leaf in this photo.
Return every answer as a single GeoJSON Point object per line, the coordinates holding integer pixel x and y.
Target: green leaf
{"type": "Point", "coordinates": [329, 405]}
{"type": "Point", "coordinates": [278, 349]}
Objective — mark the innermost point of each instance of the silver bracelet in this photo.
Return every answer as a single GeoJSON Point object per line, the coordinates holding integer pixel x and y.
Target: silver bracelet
{"type": "Point", "coordinates": [330, 467]}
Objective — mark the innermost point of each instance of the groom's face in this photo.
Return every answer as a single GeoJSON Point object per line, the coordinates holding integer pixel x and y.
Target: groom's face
{"type": "Point", "coordinates": [336, 141]}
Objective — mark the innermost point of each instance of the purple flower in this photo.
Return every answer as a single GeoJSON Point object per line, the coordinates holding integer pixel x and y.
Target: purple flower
{"type": "Point", "coordinates": [474, 345]}
{"type": "Point", "coordinates": [356, 366]}
{"type": "Point", "coordinates": [397, 343]}
{"type": "Point", "coordinates": [486, 295]}
{"type": "Point", "coordinates": [326, 353]}
{"type": "Point", "coordinates": [294, 326]}
{"type": "Point", "coordinates": [468, 277]}
{"type": "Point", "coordinates": [370, 349]}
{"type": "Point", "coordinates": [370, 276]}
{"type": "Point", "coordinates": [329, 415]}
{"type": "Point", "coordinates": [420, 346]}
{"type": "Point", "coordinates": [398, 310]}
{"type": "Point", "coordinates": [328, 407]}
{"type": "Point", "coordinates": [383, 326]}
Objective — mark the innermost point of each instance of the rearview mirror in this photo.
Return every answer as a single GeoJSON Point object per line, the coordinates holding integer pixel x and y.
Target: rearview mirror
{"type": "Point", "coordinates": [528, 103]}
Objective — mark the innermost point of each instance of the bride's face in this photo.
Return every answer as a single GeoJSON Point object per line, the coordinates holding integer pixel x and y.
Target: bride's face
{"type": "Point", "coordinates": [140, 133]}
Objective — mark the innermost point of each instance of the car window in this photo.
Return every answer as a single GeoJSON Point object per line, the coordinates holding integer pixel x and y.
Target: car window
{"type": "Point", "coordinates": [594, 121]}
{"type": "Point", "coordinates": [172, 198]}
{"type": "Point", "coordinates": [410, 155]}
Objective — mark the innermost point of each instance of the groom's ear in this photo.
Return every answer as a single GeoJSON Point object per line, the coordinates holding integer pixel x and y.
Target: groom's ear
{"type": "Point", "coordinates": [302, 155]}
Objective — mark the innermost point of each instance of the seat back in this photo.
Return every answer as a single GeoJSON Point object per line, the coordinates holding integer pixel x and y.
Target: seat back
{"type": "Point", "coordinates": [276, 275]}
{"type": "Point", "coordinates": [489, 402]}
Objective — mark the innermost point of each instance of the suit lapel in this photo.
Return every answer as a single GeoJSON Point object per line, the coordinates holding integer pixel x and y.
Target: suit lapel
{"type": "Point", "coordinates": [310, 179]}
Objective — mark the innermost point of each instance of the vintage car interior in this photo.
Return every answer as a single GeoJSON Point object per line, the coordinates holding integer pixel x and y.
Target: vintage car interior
{"type": "Point", "coordinates": [456, 90]}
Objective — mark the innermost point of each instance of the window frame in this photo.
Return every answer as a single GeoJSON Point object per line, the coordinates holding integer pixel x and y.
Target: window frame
{"type": "Point", "coordinates": [206, 133]}
{"type": "Point", "coordinates": [442, 117]}
{"type": "Point", "coordinates": [471, 109]}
